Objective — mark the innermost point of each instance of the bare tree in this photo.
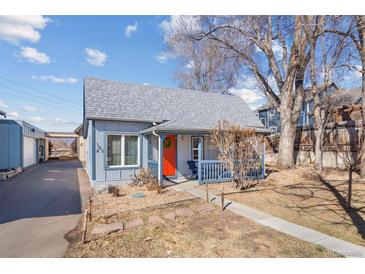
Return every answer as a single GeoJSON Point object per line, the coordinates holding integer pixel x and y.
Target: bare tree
{"type": "Point", "coordinates": [203, 66]}
{"type": "Point", "coordinates": [326, 50]}
{"type": "Point", "coordinates": [353, 28]}
{"type": "Point", "coordinates": [239, 150]}
{"type": "Point", "coordinates": [352, 155]}
{"type": "Point", "coordinates": [253, 41]}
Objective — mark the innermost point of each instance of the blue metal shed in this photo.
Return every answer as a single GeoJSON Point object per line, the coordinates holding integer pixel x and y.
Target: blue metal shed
{"type": "Point", "coordinates": [13, 136]}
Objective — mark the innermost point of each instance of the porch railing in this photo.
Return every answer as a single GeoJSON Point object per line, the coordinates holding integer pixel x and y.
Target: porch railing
{"type": "Point", "coordinates": [214, 171]}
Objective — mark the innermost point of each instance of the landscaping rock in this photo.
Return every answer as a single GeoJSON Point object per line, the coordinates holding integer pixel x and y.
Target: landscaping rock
{"type": "Point", "coordinates": [170, 215]}
{"type": "Point", "coordinates": [184, 212]}
{"type": "Point", "coordinates": [154, 220]}
{"type": "Point", "coordinates": [134, 223]}
{"type": "Point", "coordinates": [107, 228]}
{"type": "Point", "coordinates": [138, 195]}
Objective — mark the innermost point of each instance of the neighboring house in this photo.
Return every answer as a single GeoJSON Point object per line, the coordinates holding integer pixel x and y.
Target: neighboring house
{"type": "Point", "coordinates": [344, 119]}
{"type": "Point", "coordinates": [128, 126]}
{"type": "Point", "coordinates": [22, 145]}
{"type": "Point", "coordinates": [346, 105]}
{"type": "Point", "coordinates": [270, 117]}
{"type": "Point", "coordinates": [81, 145]}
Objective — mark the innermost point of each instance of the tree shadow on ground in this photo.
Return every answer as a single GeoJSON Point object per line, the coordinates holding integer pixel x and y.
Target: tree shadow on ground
{"type": "Point", "coordinates": [324, 200]}
{"type": "Point", "coordinates": [352, 212]}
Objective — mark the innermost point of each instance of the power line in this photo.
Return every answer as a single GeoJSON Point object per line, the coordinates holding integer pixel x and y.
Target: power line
{"type": "Point", "coordinates": [36, 99]}
{"type": "Point", "coordinates": [38, 90]}
{"type": "Point", "coordinates": [39, 98]}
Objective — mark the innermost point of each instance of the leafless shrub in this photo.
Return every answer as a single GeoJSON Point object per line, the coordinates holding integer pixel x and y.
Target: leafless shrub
{"type": "Point", "coordinates": [238, 149]}
{"type": "Point", "coordinates": [115, 191]}
{"type": "Point", "coordinates": [145, 177]}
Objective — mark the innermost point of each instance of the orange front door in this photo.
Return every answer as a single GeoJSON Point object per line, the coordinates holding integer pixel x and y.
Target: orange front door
{"type": "Point", "coordinates": [169, 155]}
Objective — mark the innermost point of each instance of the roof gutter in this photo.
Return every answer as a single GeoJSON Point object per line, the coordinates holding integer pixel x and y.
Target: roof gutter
{"type": "Point", "coordinates": [124, 119]}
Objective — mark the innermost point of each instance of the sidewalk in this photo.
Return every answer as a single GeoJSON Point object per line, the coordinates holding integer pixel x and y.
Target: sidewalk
{"type": "Point", "coordinates": [342, 247]}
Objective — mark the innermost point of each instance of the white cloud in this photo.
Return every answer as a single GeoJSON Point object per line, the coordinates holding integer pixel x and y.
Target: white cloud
{"type": "Point", "coordinates": [29, 108]}
{"type": "Point", "coordinates": [58, 122]}
{"type": "Point", "coordinates": [190, 65]}
{"type": "Point", "coordinates": [354, 74]}
{"type": "Point", "coordinates": [251, 97]}
{"type": "Point", "coordinates": [277, 49]}
{"type": "Point", "coordinates": [95, 57]}
{"type": "Point", "coordinates": [13, 114]}
{"type": "Point", "coordinates": [54, 79]}
{"type": "Point", "coordinates": [14, 28]}
{"type": "Point", "coordinates": [36, 119]}
{"type": "Point", "coordinates": [3, 105]}
{"type": "Point", "coordinates": [145, 84]}
{"type": "Point", "coordinates": [32, 55]}
{"type": "Point", "coordinates": [164, 56]}
{"type": "Point", "coordinates": [179, 23]}
{"type": "Point", "coordinates": [130, 29]}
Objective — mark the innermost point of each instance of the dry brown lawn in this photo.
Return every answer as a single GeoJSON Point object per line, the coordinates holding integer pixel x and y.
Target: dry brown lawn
{"type": "Point", "coordinates": [205, 234]}
{"type": "Point", "coordinates": [302, 196]}
{"type": "Point", "coordinates": [106, 204]}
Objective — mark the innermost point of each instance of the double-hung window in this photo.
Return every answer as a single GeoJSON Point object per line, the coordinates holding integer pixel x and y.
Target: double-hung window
{"type": "Point", "coordinates": [122, 150]}
{"type": "Point", "coordinates": [194, 147]}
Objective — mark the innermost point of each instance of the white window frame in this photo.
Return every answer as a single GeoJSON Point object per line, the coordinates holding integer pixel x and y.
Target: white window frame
{"type": "Point", "coordinates": [192, 148]}
{"type": "Point", "coordinates": [122, 136]}
{"type": "Point", "coordinates": [272, 111]}
{"type": "Point", "coordinates": [263, 121]}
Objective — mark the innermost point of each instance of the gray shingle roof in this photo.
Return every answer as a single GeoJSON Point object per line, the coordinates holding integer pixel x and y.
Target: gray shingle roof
{"type": "Point", "coordinates": [344, 97]}
{"type": "Point", "coordinates": [183, 109]}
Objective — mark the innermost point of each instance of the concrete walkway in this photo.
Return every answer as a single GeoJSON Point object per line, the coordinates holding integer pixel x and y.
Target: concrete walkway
{"type": "Point", "coordinates": [39, 206]}
{"type": "Point", "coordinates": [342, 247]}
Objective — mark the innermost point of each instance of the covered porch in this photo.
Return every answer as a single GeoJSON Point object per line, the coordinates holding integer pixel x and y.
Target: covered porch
{"type": "Point", "coordinates": [181, 156]}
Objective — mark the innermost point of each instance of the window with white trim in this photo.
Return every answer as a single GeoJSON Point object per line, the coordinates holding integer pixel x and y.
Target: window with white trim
{"type": "Point", "coordinates": [122, 150]}
{"type": "Point", "coordinates": [272, 111]}
{"type": "Point", "coordinates": [195, 148]}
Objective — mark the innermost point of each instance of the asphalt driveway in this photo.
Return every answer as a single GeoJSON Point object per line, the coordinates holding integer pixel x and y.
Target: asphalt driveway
{"type": "Point", "coordinates": [39, 206]}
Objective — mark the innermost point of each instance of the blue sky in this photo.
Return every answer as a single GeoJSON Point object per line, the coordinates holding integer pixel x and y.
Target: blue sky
{"type": "Point", "coordinates": [53, 64]}
{"type": "Point", "coordinates": [43, 60]}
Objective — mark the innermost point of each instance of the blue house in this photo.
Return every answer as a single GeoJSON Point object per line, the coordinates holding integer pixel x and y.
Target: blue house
{"type": "Point", "coordinates": [270, 117]}
{"type": "Point", "coordinates": [128, 126]}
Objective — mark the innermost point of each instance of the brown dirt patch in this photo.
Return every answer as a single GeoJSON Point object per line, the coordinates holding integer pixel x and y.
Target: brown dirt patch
{"type": "Point", "coordinates": [209, 234]}
{"type": "Point", "coordinates": [106, 204]}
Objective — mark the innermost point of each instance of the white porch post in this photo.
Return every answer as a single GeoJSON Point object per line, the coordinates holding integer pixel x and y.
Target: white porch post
{"type": "Point", "coordinates": [144, 151]}
{"type": "Point", "coordinates": [200, 154]}
{"type": "Point", "coordinates": [160, 159]}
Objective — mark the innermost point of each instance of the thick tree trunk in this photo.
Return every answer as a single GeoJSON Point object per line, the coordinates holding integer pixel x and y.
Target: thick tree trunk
{"type": "Point", "coordinates": [349, 194]}
{"type": "Point", "coordinates": [318, 133]}
{"type": "Point", "coordinates": [361, 30]}
{"type": "Point", "coordinates": [318, 150]}
{"type": "Point", "coordinates": [287, 139]}
{"type": "Point", "coordinates": [362, 166]}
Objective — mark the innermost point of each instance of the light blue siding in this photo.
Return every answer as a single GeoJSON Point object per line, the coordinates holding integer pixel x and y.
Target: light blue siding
{"type": "Point", "coordinates": [89, 150]}
{"type": "Point", "coordinates": [117, 175]}
{"type": "Point", "coordinates": [10, 144]}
